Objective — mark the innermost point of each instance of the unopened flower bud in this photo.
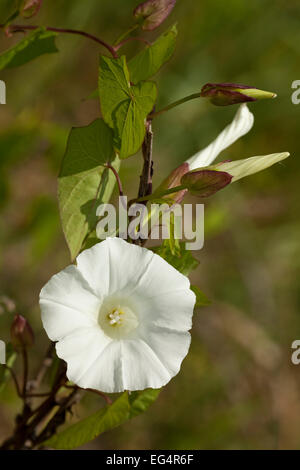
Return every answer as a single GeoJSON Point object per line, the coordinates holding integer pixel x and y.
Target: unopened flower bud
{"type": "Point", "coordinates": [30, 8]}
{"type": "Point", "coordinates": [22, 336]}
{"type": "Point", "coordinates": [153, 12]}
{"type": "Point", "coordinates": [225, 94]}
{"type": "Point", "coordinates": [205, 183]}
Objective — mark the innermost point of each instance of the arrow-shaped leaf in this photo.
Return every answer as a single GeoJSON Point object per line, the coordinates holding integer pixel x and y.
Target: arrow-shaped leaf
{"type": "Point", "coordinates": [148, 62]}
{"type": "Point", "coordinates": [124, 107]}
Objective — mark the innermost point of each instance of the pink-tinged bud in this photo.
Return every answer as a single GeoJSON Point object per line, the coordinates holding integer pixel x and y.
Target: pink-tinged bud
{"type": "Point", "coordinates": [30, 8]}
{"type": "Point", "coordinates": [205, 183]}
{"type": "Point", "coordinates": [173, 180]}
{"type": "Point", "coordinates": [153, 13]}
{"type": "Point", "coordinates": [225, 94]}
{"type": "Point", "coordinates": [22, 336]}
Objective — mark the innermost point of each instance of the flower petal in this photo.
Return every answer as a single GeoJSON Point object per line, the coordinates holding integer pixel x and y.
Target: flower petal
{"type": "Point", "coordinates": [141, 367]}
{"type": "Point", "coordinates": [113, 265]}
{"type": "Point", "coordinates": [163, 296]}
{"type": "Point", "coordinates": [67, 304]}
{"type": "Point", "coordinates": [170, 347]}
{"type": "Point", "coordinates": [173, 310]}
{"type": "Point", "coordinates": [248, 166]}
{"type": "Point", "coordinates": [241, 125]}
{"type": "Point", "coordinates": [84, 353]}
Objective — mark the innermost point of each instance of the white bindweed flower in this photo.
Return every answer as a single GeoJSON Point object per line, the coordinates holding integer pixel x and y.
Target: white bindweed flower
{"type": "Point", "coordinates": [248, 166]}
{"type": "Point", "coordinates": [242, 123]}
{"type": "Point", "coordinates": [121, 317]}
{"type": "Point", "coordinates": [200, 177]}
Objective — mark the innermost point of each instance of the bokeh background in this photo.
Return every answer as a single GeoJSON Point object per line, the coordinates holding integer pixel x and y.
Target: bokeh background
{"type": "Point", "coordinates": [237, 388]}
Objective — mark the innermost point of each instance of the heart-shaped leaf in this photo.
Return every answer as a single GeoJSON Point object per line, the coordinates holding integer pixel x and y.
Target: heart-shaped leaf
{"type": "Point", "coordinates": [148, 62]}
{"type": "Point", "coordinates": [84, 182]}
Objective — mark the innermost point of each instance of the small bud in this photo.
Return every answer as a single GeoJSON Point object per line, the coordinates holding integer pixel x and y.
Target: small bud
{"type": "Point", "coordinates": [205, 183]}
{"type": "Point", "coordinates": [22, 336]}
{"type": "Point", "coordinates": [225, 94]}
{"type": "Point", "coordinates": [30, 8]}
{"type": "Point", "coordinates": [153, 13]}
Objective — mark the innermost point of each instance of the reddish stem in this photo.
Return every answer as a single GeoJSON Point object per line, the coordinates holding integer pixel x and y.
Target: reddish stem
{"type": "Point", "coordinates": [25, 371]}
{"type": "Point", "coordinates": [16, 28]}
{"type": "Point", "coordinates": [119, 182]}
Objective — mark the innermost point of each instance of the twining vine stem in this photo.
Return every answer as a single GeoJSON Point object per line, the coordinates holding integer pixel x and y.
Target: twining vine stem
{"type": "Point", "coordinates": [119, 182]}
{"type": "Point", "coordinates": [14, 28]}
{"type": "Point", "coordinates": [145, 188]}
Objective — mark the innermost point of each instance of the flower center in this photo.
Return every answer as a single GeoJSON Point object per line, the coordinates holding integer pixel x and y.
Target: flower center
{"type": "Point", "coordinates": [117, 319]}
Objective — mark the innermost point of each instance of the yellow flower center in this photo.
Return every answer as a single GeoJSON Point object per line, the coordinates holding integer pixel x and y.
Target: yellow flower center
{"type": "Point", "coordinates": [117, 319]}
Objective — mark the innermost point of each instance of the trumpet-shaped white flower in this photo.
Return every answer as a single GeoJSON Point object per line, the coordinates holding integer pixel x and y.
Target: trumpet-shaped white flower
{"type": "Point", "coordinates": [242, 123]}
{"type": "Point", "coordinates": [121, 317]}
{"type": "Point", "coordinates": [248, 166]}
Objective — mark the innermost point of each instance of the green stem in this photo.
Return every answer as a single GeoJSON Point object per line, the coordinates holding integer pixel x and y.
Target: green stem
{"type": "Point", "coordinates": [132, 38]}
{"type": "Point", "coordinates": [160, 195]}
{"type": "Point", "coordinates": [176, 103]}
{"type": "Point", "coordinates": [124, 35]}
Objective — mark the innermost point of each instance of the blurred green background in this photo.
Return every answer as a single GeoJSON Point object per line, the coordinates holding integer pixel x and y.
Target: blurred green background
{"type": "Point", "coordinates": [237, 388]}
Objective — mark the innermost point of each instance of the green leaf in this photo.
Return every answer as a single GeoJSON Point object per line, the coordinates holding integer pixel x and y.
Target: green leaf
{"type": "Point", "coordinates": [124, 408]}
{"type": "Point", "coordinates": [201, 299]}
{"type": "Point", "coordinates": [124, 107]}
{"type": "Point", "coordinates": [180, 258]}
{"type": "Point", "coordinates": [11, 356]}
{"type": "Point", "coordinates": [32, 46]}
{"type": "Point", "coordinates": [148, 62]}
{"type": "Point", "coordinates": [84, 182]}
{"type": "Point", "coordinates": [89, 428]}
{"type": "Point", "coordinates": [140, 401]}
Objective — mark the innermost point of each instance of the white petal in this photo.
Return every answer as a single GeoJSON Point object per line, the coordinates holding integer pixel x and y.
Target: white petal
{"type": "Point", "coordinates": [84, 353]}
{"type": "Point", "coordinates": [241, 168]}
{"type": "Point", "coordinates": [163, 297]}
{"type": "Point", "coordinates": [170, 347]}
{"type": "Point", "coordinates": [94, 266]}
{"type": "Point", "coordinates": [67, 304]}
{"type": "Point", "coordinates": [161, 278]}
{"type": "Point", "coordinates": [141, 367]}
{"type": "Point", "coordinates": [113, 265]}
{"type": "Point", "coordinates": [241, 125]}
{"type": "Point", "coordinates": [106, 372]}
{"type": "Point", "coordinates": [173, 310]}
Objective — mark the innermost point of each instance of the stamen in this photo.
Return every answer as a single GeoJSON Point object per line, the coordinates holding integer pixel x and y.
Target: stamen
{"type": "Point", "coordinates": [115, 317]}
